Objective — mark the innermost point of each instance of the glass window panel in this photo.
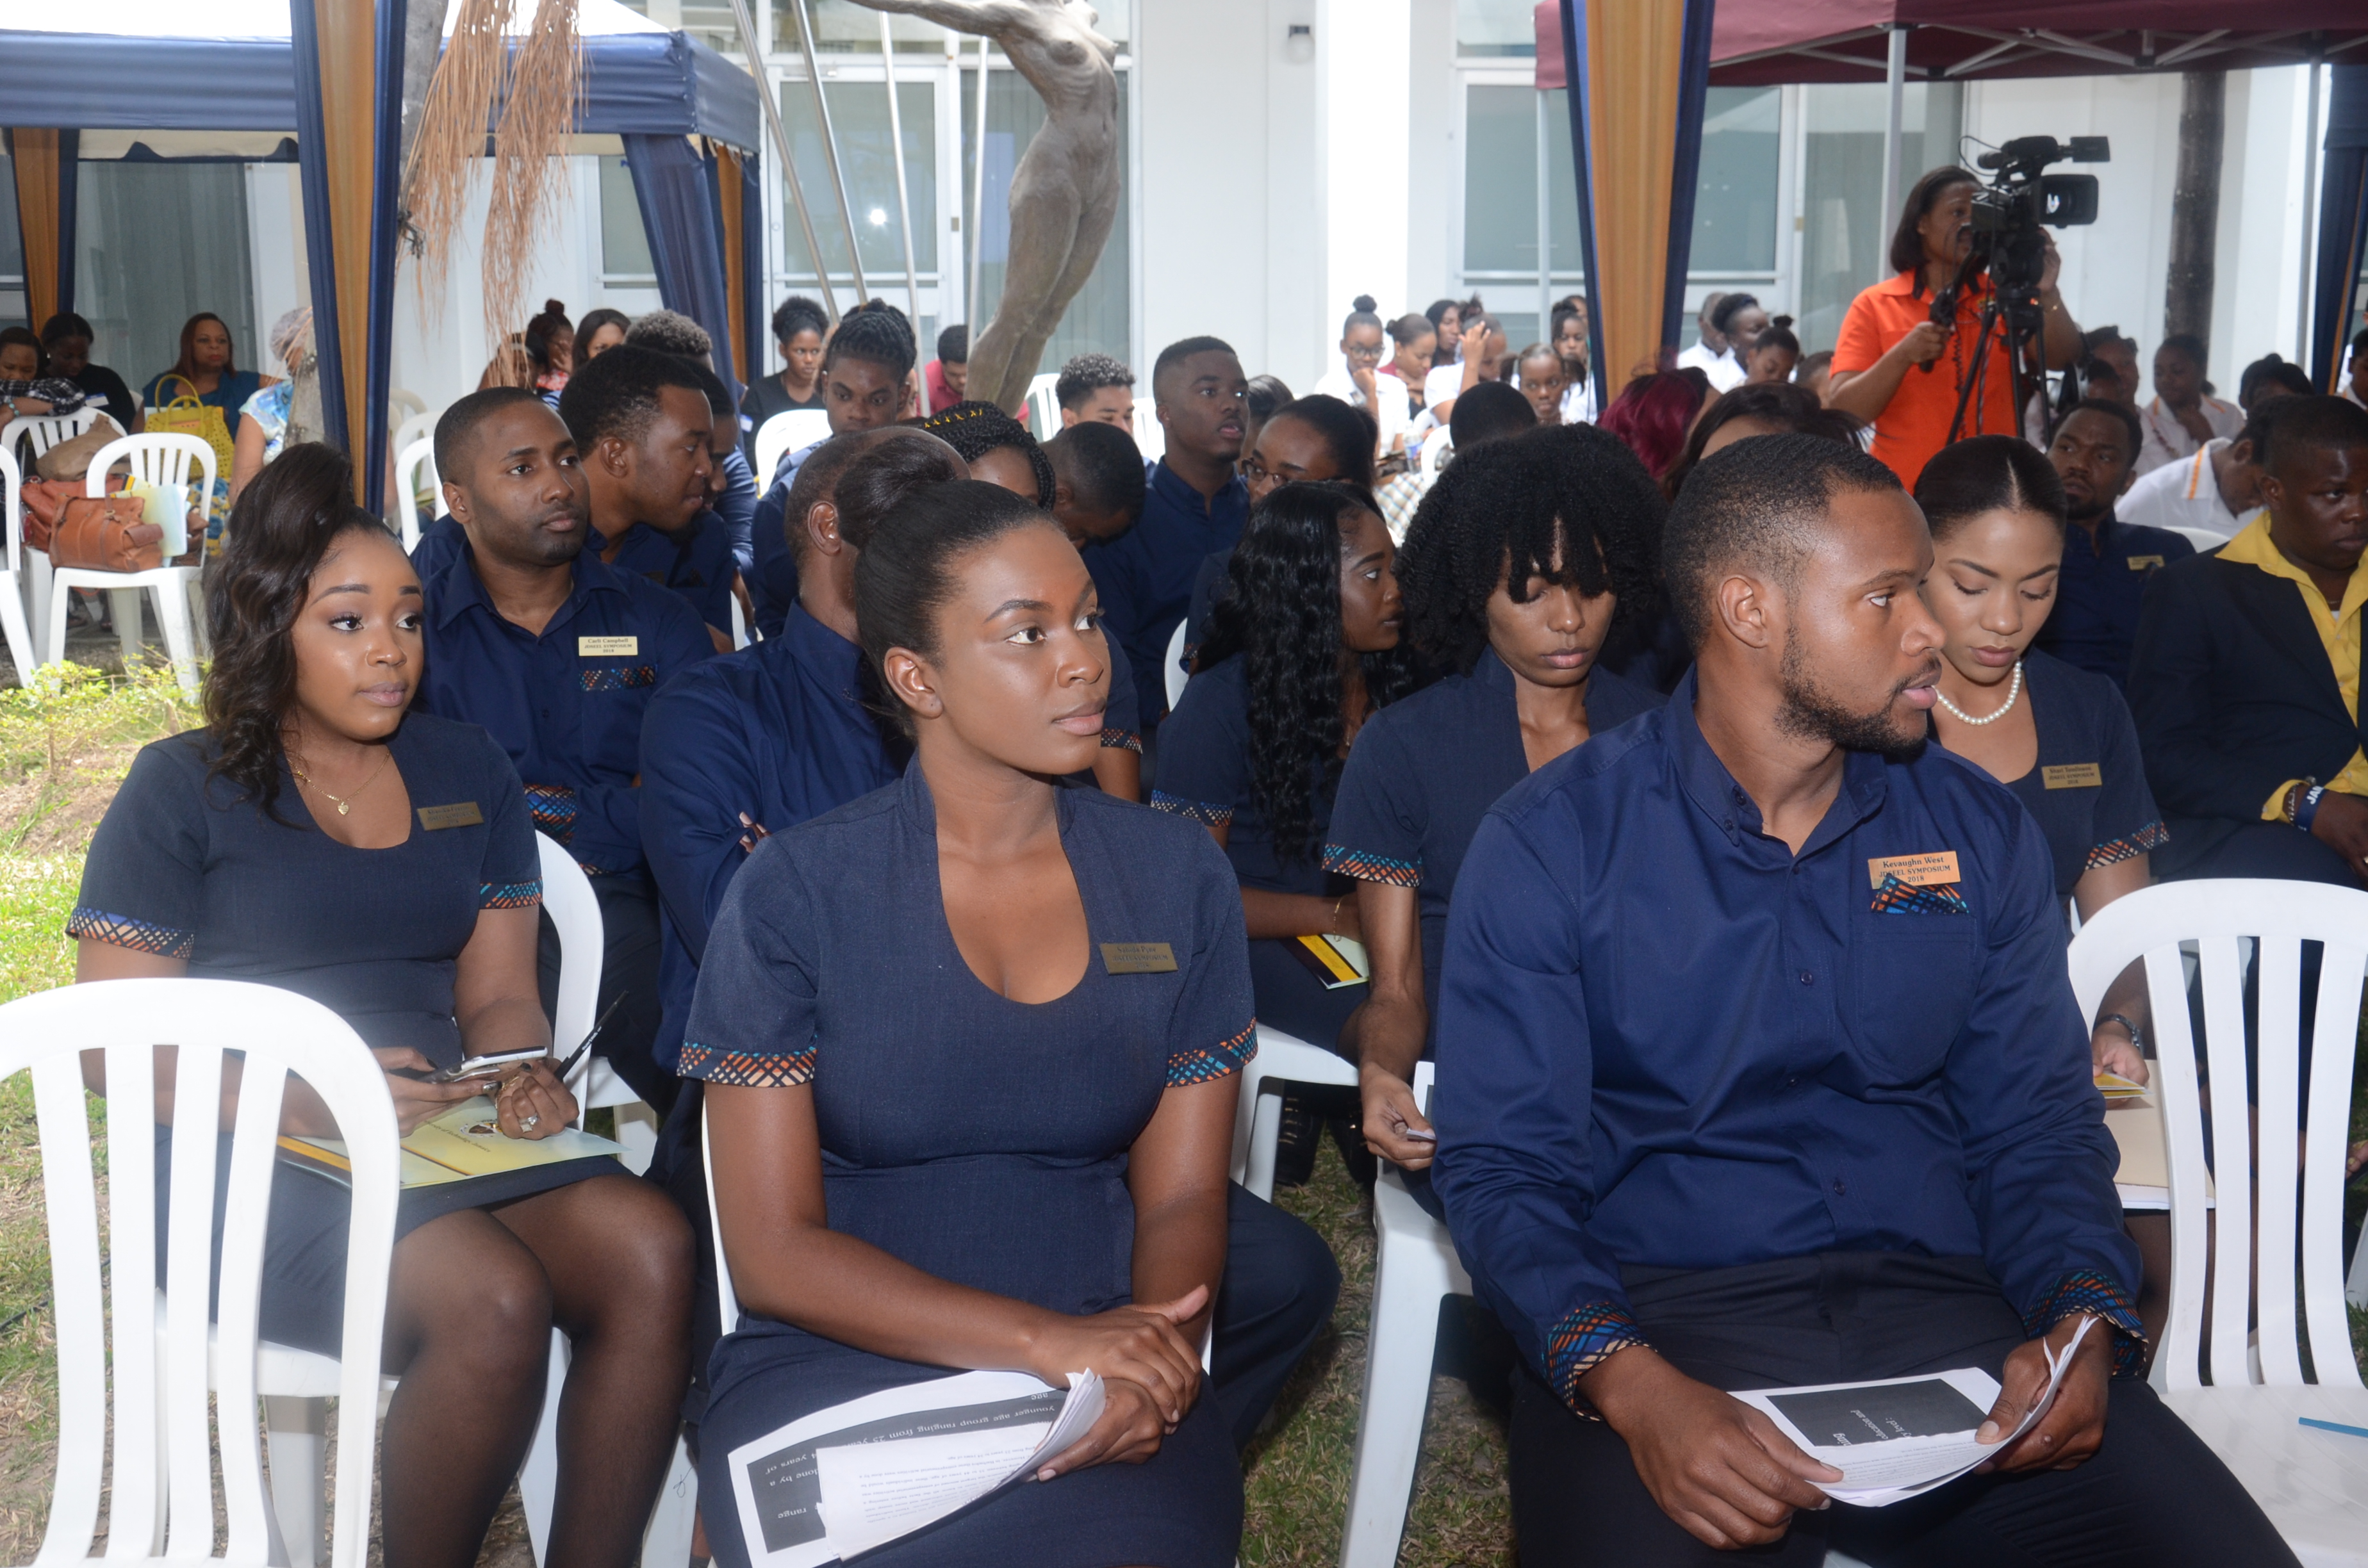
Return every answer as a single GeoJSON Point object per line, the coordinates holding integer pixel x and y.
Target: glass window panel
{"type": "Point", "coordinates": [844, 28]}
{"type": "Point", "coordinates": [858, 114]}
{"type": "Point", "coordinates": [1495, 26]}
{"type": "Point", "coordinates": [155, 244]}
{"type": "Point", "coordinates": [624, 243]}
{"type": "Point", "coordinates": [1734, 200]}
{"type": "Point", "coordinates": [1845, 234]}
{"type": "Point", "coordinates": [1100, 320]}
{"type": "Point", "coordinates": [11, 243]}
{"type": "Point", "coordinates": [1500, 181]}
{"type": "Point", "coordinates": [709, 21]}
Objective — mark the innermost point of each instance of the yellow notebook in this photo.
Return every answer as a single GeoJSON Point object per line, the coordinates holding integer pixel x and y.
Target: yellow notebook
{"type": "Point", "coordinates": [463, 1143]}
{"type": "Point", "coordinates": [1335, 961]}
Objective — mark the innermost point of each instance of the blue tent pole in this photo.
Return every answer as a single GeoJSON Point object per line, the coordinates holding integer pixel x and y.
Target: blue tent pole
{"type": "Point", "coordinates": [1574, 60]}
{"type": "Point", "coordinates": [69, 198]}
{"type": "Point", "coordinates": [2342, 220]}
{"type": "Point", "coordinates": [320, 231]}
{"type": "Point", "coordinates": [386, 152]}
{"type": "Point", "coordinates": [1685, 171]}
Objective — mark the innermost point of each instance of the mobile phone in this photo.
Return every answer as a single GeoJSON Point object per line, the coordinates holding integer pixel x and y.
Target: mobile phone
{"type": "Point", "coordinates": [483, 1066]}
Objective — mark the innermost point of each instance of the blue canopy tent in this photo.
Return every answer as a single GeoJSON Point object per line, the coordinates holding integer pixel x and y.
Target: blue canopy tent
{"type": "Point", "coordinates": [2342, 224]}
{"type": "Point", "coordinates": [248, 65]}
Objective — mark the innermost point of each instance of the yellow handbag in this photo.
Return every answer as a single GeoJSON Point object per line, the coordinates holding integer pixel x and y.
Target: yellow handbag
{"type": "Point", "coordinates": [186, 415]}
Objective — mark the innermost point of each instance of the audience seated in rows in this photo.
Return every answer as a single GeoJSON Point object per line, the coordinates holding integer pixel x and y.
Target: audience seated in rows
{"type": "Point", "coordinates": [556, 654]}
{"type": "Point", "coordinates": [324, 834]}
{"type": "Point", "coordinates": [1487, 412]}
{"type": "Point", "coordinates": [1526, 558]}
{"type": "Point", "coordinates": [2108, 564]}
{"type": "Point", "coordinates": [1887, 1158]}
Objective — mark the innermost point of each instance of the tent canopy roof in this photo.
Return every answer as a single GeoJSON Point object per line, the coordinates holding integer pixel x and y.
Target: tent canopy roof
{"type": "Point", "coordinates": [226, 65]}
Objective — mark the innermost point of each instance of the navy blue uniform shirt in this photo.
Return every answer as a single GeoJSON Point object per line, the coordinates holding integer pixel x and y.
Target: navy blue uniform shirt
{"type": "Point", "coordinates": [2088, 791]}
{"type": "Point", "coordinates": [1426, 769]}
{"type": "Point", "coordinates": [567, 705]}
{"type": "Point", "coordinates": [737, 507]}
{"type": "Point", "coordinates": [1144, 575]}
{"type": "Point", "coordinates": [2098, 594]}
{"type": "Point", "coordinates": [1665, 1040]}
{"type": "Point", "coordinates": [697, 568]}
{"type": "Point", "coordinates": [1204, 774]}
{"type": "Point", "coordinates": [779, 731]}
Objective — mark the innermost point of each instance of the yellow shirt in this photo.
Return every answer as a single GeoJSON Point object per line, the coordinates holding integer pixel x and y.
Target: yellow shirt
{"type": "Point", "coordinates": [2339, 631]}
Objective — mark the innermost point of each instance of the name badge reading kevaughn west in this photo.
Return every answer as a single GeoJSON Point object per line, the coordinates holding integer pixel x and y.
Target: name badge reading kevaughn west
{"type": "Point", "coordinates": [607, 647]}
{"type": "Point", "coordinates": [1138, 957]}
{"type": "Point", "coordinates": [464, 814]}
{"type": "Point", "coordinates": [1934, 870]}
{"type": "Point", "coordinates": [2073, 776]}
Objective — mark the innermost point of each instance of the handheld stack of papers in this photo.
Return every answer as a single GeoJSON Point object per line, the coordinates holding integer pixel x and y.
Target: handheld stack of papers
{"type": "Point", "coordinates": [2116, 1088]}
{"type": "Point", "coordinates": [1335, 961]}
{"type": "Point", "coordinates": [1900, 1438]}
{"type": "Point", "coordinates": [863, 1474]}
{"type": "Point", "coordinates": [465, 1142]}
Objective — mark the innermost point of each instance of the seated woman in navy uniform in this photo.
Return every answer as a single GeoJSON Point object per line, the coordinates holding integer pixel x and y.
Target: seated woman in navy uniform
{"type": "Point", "coordinates": [1526, 558]}
{"type": "Point", "coordinates": [317, 837]}
{"type": "Point", "coordinates": [969, 1046]}
{"type": "Point", "coordinates": [1303, 647]}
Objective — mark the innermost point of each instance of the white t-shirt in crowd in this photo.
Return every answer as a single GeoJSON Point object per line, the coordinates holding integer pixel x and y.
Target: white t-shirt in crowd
{"type": "Point", "coordinates": [1394, 414]}
{"type": "Point", "coordinates": [1725, 371]}
{"type": "Point", "coordinates": [2183, 495]}
{"type": "Point", "coordinates": [2166, 439]}
{"type": "Point", "coordinates": [1442, 385]}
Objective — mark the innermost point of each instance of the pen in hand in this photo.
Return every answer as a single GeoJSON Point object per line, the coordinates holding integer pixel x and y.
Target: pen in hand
{"type": "Point", "coordinates": [592, 1034]}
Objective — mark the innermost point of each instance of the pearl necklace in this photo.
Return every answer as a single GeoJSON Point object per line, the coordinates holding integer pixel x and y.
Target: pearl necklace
{"type": "Point", "coordinates": [2012, 692]}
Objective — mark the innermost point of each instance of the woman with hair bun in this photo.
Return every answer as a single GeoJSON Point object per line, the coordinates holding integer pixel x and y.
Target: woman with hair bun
{"type": "Point", "coordinates": [550, 343]}
{"type": "Point", "coordinates": [970, 1047]}
{"type": "Point", "coordinates": [318, 837]}
{"type": "Point", "coordinates": [1357, 379]}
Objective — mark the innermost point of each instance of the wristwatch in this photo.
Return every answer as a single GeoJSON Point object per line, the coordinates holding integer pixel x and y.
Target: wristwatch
{"type": "Point", "coordinates": [2137, 1035]}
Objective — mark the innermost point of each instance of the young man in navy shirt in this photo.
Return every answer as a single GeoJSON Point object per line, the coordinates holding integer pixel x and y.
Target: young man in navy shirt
{"type": "Point", "coordinates": [1196, 506]}
{"type": "Point", "coordinates": [1759, 1066]}
{"type": "Point", "coordinates": [557, 654]}
{"type": "Point", "coordinates": [765, 739]}
{"type": "Point", "coordinates": [2107, 563]}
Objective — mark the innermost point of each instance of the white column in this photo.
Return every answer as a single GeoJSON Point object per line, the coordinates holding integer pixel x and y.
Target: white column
{"type": "Point", "coordinates": [1363, 51]}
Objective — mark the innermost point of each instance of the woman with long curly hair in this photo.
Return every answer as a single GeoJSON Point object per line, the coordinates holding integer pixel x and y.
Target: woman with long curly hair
{"type": "Point", "coordinates": [318, 837]}
{"type": "Point", "coordinates": [1303, 648]}
{"type": "Point", "coordinates": [1527, 557]}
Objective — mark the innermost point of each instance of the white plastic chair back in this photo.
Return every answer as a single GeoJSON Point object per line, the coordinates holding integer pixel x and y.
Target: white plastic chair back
{"type": "Point", "coordinates": [160, 459]}
{"type": "Point", "coordinates": [13, 477]}
{"type": "Point", "coordinates": [786, 433]}
{"type": "Point", "coordinates": [2203, 539]}
{"type": "Point", "coordinates": [414, 470]}
{"type": "Point", "coordinates": [739, 624]}
{"type": "Point", "coordinates": [1257, 1117]}
{"type": "Point", "coordinates": [567, 899]}
{"type": "Point", "coordinates": [13, 630]}
{"type": "Point", "coordinates": [1171, 667]}
{"type": "Point", "coordinates": [1435, 450]}
{"type": "Point", "coordinates": [416, 425]}
{"type": "Point", "coordinates": [408, 402]}
{"type": "Point", "coordinates": [2280, 916]}
{"type": "Point", "coordinates": [727, 1299]}
{"type": "Point", "coordinates": [162, 1496]}
{"type": "Point", "coordinates": [46, 430]}
{"type": "Point", "coordinates": [1043, 408]}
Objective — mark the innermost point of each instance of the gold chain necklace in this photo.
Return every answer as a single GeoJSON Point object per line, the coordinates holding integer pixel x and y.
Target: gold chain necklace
{"type": "Point", "coordinates": [344, 804]}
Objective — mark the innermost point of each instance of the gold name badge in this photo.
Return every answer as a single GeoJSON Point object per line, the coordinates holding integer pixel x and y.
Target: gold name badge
{"type": "Point", "coordinates": [2073, 776]}
{"type": "Point", "coordinates": [1935, 869]}
{"type": "Point", "coordinates": [1138, 957]}
{"type": "Point", "coordinates": [464, 814]}
{"type": "Point", "coordinates": [607, 647]}
{"type": "Point", "coordinates": [2145, 562]}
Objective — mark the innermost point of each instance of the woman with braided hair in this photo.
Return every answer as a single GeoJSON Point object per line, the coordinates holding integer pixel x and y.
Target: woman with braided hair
{"type": "Point", "coordinates": [1303, 648]}
{"type": "Point", "coordinates": [1526, 558]}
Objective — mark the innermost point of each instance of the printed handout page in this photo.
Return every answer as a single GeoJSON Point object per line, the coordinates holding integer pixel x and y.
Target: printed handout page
{"type": "Point", "coordinates": [858, 1475]}
{"type": "Point", "coordinates": [1898, 1437]}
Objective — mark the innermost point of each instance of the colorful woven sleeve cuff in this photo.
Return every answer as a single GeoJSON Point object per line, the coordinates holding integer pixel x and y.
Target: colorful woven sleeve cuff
{"type": "Point", "coordinates": [1203, 1063]}
{"type": "Point", "coordinates": [1122, 739]}
{"type": "Point", "coordinates": [1584, 1336]}
{"type": "Point", "coordinates": [747, 1070]}
{"type": "Point", "coordinates": [552, 807]}
{"type": "Point", "coordinates": [2114, 851]}
{"type": "Point", "coordinates": [509, 895]}
{"type": "Point", "coordinates": [122, 931]}
{"type": "Point", "coordinates": [1200, 812]}
{"type": "Point", "coordinates": [2085, 1291]}
{"type": "Point", "coordinates": [1370, 868]}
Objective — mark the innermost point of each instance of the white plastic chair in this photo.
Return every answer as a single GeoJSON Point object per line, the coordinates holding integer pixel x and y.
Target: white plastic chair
{"type": "Point", "coordinates": [418, 426]}
{"type": "Point", "coordinates": [38, 434]}
{"type": "Point", "coordinates": [1435, 448]}
{"type": "Point", "coordinates": [1258, 1114]}
{"type": "Point", "coordinates": [411, 464]}
{"type": "Point", "coordinates": [161, 459]}
{"type": "Point", "coordinates": [568, 900]}
{"type": "Point", "coordinates": [2203, 539]}
{"type": "Point", "coordinates": [161, 1476]}
{"type": "Point", "coordinates": [786, 433]}
{"type": "Point", "coordinates": [405, 399]}
{"type": "Point", "coordinates": [1171, 668]}
{"type": "Point", "coordinates": [1043, 408]}
{"type": "Point", "coordinates": [2313, 1485]}
{"type": "Point", "coordinates": [13, 629]}
{"type": "Point", "coordinates": [739, 624]}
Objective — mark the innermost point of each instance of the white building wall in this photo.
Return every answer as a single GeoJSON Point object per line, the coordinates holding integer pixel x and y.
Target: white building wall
{"type": "Point", "coordinates": [1367, 127]}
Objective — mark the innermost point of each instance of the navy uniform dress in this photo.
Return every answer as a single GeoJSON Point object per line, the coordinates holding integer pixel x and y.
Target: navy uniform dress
{"type": "Point", "coordinates": [1426, 769]}
{"type": "Point", "coordinates": [182, 867]}
{"type": "Point", "coordinates": [567, 706]}
{"type": "Point", "coordinates": [1204, 774]}
{"type": "Point", "coordinates": [981, 1140]}
{"type": "Point", "coordinates": [2088, 791]}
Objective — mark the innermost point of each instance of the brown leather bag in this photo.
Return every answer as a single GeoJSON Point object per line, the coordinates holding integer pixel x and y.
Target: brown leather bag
{"type": "Point", "coordinates": [45, 502]}
{"type": "Point", "coordinates": [106, 534]}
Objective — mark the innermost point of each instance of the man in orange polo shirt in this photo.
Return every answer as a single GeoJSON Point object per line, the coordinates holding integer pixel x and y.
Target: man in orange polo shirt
{"type": "Point", "coordinates": [1889, 333]}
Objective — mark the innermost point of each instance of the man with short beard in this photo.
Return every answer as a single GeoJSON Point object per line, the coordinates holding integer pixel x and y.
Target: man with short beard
{"type": "Point", "coordinates": [1759, 1066]}
{"type": "Point", "coordinates": [556, 654]}
{"type": "Point", "coordinates": [2107, 562]}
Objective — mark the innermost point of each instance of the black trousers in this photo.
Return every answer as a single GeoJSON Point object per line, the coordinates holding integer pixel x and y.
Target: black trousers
{"type": "Point", "coordinates": [1275, 1297]}
{"type": "Point", "coordinates": [2215, 847]}
{"type": "Point", "coordinates": [2154, 1496]}
{"type": "Point", "coordinates": [629, 919]}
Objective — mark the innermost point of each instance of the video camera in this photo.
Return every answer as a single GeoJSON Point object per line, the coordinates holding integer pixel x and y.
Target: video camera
{"type": "Point", "coordinates": [2009, 210]}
